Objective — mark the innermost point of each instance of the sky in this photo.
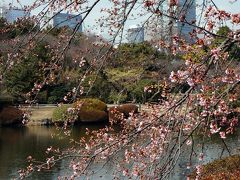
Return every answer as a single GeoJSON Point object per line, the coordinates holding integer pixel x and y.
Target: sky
{"type": "Point", "coordinates": [91, 20]}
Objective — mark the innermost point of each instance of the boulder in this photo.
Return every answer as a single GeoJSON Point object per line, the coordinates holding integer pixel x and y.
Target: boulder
{"type": "Point", "coordinates": [10, 116]}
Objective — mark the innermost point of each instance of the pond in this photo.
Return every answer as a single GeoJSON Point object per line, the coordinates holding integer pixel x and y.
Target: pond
{"type": "Point", "coordinates": [16, 144]}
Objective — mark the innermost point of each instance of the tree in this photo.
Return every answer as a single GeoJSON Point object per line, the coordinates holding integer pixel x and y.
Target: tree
{"type": "Point", "coordinates": [26, 74]}
{"type": "Point", "coordinates": [150, 143]}
{"type": "Point", "coordinates": [234, 50]}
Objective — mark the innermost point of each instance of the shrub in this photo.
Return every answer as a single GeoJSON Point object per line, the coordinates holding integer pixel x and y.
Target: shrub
{"type": "Point", "coordinates": [91, 110]}
{"type": "Point", "coordinates": [136, 90]}
{"type": "Point", "coordinates": [97, 86]}
{"type": "Point", "coordinates": [128, 108]}
{"type": "Point", "coordinates": [117, 113]}
{"type": "Point", "coordinates": [52, 100]}
{"type": "Point", "coordinates": [116, 97]}
{"type": "Point", "coordinates": [227, 168]}
{"type": "Point", "coordinates": [93, 116]}
{"type": "Point", "coordinates": [90, 104]}
{"type": "Point", "coordinates": [42, 97]}
{"type": "Point", "coordinates": [57, 92]}
{"type": "Point", "coordinates": [60, 113]}
{"type": "Point", "coordinates": [10, 116]}
{"type": "Point", "coordinates": [115, 116]}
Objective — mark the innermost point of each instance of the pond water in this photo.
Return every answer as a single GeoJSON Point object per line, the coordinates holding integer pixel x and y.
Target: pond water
{"type": "Point", "coordinates": [16, 144]}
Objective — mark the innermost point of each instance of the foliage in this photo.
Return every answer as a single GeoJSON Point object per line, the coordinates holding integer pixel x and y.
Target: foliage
{"type": "Point", "coordinates": [90, 104]}
{"type": "Point", "coordinates": [10, 116]}
{"type": "Point", "coordinates": [196, 54]}
{"type": "Point", "coordinates": [57, 92]}
{"type": "Point", "coordinates": [234, 50]}
{"type": "Point", "coordinates": [124, 76]}
{"type": "Point", "coordinates": [137, 90]}
{"type": "Point", "coordinates": [42, 97]}
{"type": "Point", "coordinates": [135, 55]}
{"type": "Point", "coordinates": [117, 98]}
{"type": "Point", "coordinates": [3, 23]}
{"type": "Point", "coordinates": [224, 31]}
{"type": "Point", "coordinates": [91, 110]}
{"type": "Point", "coordinates": [61, 113]}
{"type": "Point", "coordinates": [19, 27]}
{"type": "Point", "coordinates": [133, 67]}
{"type": "Point", "coordinates": [20, 79]}
{"type": "Point", "coordinates": [97, 86]}
{"type": "Point", "coordinates": [53, 31]}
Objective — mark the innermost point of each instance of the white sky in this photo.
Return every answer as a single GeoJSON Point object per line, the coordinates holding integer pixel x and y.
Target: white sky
{"type": "Point", "coordinates": [91, 20]}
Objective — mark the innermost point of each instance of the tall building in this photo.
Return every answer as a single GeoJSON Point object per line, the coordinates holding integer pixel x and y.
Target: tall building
{"type": "Point", "coordinates": [186, 8]}
{"type": "Point", "coordinates": [13, 14]}
{"type": "Point", "coordinates": [166, 27]}
{"type": "Point", "coordinates": [68, 20]}
{"type": "Point", "coordinates": [135, 34]}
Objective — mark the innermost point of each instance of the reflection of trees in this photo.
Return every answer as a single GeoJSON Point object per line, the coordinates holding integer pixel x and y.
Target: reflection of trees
{"type": "Point", "coordinates": [16, 144]}
{"type": "Point", "coordinates": [12, 135]}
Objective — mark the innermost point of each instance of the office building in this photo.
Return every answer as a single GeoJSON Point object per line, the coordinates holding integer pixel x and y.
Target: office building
{"type": "Point", "coordinates": [166, 27]}
{"type": "Point", "coordinates": [13, 14]}
{"type": "Point", "coordinates": [67, 20]}
{"type": "Point", "coordinates": [135, 34]}
{"type": "Point", "coordinates": [187, 8]}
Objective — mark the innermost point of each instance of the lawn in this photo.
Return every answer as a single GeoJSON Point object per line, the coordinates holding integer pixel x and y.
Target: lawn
{"type": "Point", "coordinates": [40, 113]}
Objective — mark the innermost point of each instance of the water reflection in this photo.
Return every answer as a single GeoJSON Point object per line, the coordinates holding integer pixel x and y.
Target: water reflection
{"type": "Point", "coordinates": [16, 144]}
{"type": "Point", "coordinates": [213, 149]}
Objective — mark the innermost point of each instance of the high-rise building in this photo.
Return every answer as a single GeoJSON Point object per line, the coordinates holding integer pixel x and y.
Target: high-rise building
{"type": "Point", "coordinates": [135, 34]}
{"type": "Point", "coordinates": [67, 20]}
{"type": "Point", "coordinates": [166, 27]}
{"type": "Point", "coordinates": [186, 9]}
{"type": "Point", "coordinates": [13, 14]}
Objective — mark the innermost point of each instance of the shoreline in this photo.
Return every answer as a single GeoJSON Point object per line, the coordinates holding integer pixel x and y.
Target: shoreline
{"type": "Point", "coordinates": [41, 115]}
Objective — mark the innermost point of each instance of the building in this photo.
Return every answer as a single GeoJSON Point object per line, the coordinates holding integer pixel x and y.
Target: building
{"type": "Point", "coordinates": [67, 20]}
{"type": "Point", "coordinates": [13, 14]}
{"type": "Point", "coordinates": [167, 27]}
{"type": "Point", "coordinates": [186, 8]}
{"type": "Point", "coordinates": [135, 34]}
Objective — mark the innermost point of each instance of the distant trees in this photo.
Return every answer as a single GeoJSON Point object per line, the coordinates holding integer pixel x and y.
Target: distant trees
{"type": "Point", "coordinates": [19, 27]}
{"type": "Point", "coordinates": [134, 67]}
{"type": "Point", "coordinates": [234, 49]}
{"type": "Point", "coordinates": [20, 79]}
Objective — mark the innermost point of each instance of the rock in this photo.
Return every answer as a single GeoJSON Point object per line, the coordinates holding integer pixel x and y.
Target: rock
{"type": "Point", "coordinates": [118, 113]}
{"type": "Point", "coordinates": [10, 116]}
